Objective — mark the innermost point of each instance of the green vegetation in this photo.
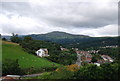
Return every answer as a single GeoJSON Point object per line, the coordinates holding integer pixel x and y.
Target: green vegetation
{"type": "Point", "coordinates": [60, 73]}
{"type": "Point", "coordinates": [95, 58]}
{"type": "Point", "coordinates": [106, 71]}
{"type": "Point", "coordinates": [113, 52]}
{"type": "Point", "coordinates": [92, 42]}
{"type": "Point", "coordinates": [0, 55]}
{"type": "Point", "coordinates": [26, 61]}
{"type": "Point", "coordinates": [11, 67]}
{"type": "Point", "coordinates": [22, 57]}
{"type": "Point", "coordinates": [56, 55]}
{"type": "Point", "coordinates": [4, 39]}
{"type": "Point", "coordinates": [76, 41]}
{"type": "Point", "coordinates": [29, 62]}
{"type": "Point", "coordinates": [64, 57]}
{"type": "Point", "coordinates": [57, 35]}
{"type": "Point", "coordinates": [90, 72]}
{"type": "Point", "coordinates": [15, 38]}
{"type": "Point", "coordinates": [64, 74]}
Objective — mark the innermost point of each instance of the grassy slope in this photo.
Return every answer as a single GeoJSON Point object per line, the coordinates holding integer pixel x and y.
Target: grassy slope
{"type": "Point", "coordinates": [14, 51]}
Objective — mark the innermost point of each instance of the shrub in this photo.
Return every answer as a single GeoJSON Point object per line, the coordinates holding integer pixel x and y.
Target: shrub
{"type": "Point", "coordinates": [73, 67]}
{"type": "Point", "coordinates": [11, 67]}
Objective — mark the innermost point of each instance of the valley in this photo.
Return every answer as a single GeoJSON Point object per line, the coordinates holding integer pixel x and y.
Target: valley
{"type": "Point", "coordinates": [61, 53]}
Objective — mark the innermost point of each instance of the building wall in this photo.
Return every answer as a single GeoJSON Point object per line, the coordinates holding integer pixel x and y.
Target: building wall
{"type": "Point", "coordinates": [42, 52]}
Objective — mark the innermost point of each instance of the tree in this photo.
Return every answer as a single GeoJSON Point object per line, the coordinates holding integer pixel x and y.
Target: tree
{"type": "Point", "coordinates": [10, 67]}
{"type": "Point", "coordinates": [113, 52]}
{"type": "Point", "coordinates": [4, 39]}
{"type": "Point", "coordinates": [94, 59]}
{"type": "Point", "coordinates": [91, 72]}
{"type": "Point", "coordinates": [0, 36]}
{"type": "Point", "coordinates": [14, 38]}
{"type": "Point", "coordinates": [13, 34]}
{"type": "Point", "coordinates": [27, 38]}
{"type": "Point", "coordinates": [110, 71]}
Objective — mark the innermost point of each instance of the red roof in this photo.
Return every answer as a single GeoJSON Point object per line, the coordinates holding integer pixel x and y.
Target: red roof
{"type": "Point", "coordinates": [6, 78]}
{"type": "Point", "coordinates": [82, 52]}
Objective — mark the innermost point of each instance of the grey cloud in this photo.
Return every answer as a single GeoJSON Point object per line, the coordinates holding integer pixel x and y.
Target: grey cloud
{"type": "Point", "coordinates": [66, 14]}
{"type": "Point", "coordinates": [8, 28]}
{"type": "Point", "coordinates": [21, 8]}
{"type": "Point", "coordinates": [91, 18]}
{"type": "Point", "coordinates": [63, 14]}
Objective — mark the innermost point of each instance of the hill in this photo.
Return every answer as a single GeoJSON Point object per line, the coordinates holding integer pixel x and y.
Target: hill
{"type": "Point", "coordinates": [78, 41]}
{"type": "Point", "coordinates": [63, 35]}
{"type": "Point", "coordinates": [14, 51]}
{"type": "Point", "coordinates": [94, 42]}
{"type": "Point", "coordinates": [72, 40]}
{"type": "Point", "coordinates": [68, 57]}
{"type": "Point", "coordinates": [57, 35]}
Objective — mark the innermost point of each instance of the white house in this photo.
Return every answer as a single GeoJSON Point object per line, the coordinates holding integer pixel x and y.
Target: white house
{"type": "Point", "coordinates": [107, 58]}
{"type": "Point", "coordinates": [98, 64]}
{"type": "Point", "coordinates": [43, 52]}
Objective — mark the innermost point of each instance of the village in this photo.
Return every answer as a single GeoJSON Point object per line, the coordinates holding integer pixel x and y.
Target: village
{"type": "Point", "coordinates": [86, 57]}
{"type": "Point", "coordinates": [82, 56]}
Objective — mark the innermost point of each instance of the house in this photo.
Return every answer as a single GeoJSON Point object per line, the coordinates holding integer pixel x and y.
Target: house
{"type": "Point", "coordinates": [42, 52]}
{"type": "Point", "coordinates": [85, 56]}
{"type": "Point", "coordinates": [75, 49]}
{"type": "Point", "coordinates": [98, 64]}
{"type": "Point", "coordinates": [107, 58]}
{"type": "Point", "coordinates": [116, 46]}
{"type": "Point", "coordinates": [63, 49]}
{"type": "Point", "coordinates": [82, 52]}
{"type": "Point", "coordinates": [94, 51]}
{"type": "Point", "coordinates": [87, 60]}
{"type": "Point", "coordinates": [100, 61]}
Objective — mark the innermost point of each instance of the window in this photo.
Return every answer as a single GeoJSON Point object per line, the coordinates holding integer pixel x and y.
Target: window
{"type": "Point", "coordinates": [39, 51]}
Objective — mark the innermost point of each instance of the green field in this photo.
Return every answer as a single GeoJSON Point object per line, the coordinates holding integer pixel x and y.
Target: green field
{"type": "Point", "coordinates": [14, 51]}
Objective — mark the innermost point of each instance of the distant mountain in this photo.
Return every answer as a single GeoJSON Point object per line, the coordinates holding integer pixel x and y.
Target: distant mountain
{"type": "Point", "coordinates": [79, 41]}
{"type": "Point", "coordinates": [63, 35]}
{"type": "Point", "coordinates": [71, 40]}
{"type": "Point", "coordinates": [56, 35]}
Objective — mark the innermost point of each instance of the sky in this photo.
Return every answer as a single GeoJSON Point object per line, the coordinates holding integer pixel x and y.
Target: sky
{"type": "Point", "coordinates": [95, 18]}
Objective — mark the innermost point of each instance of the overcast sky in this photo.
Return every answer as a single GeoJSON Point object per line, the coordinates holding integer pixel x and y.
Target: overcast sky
{"type": "Point", "coordinates": [86, 17]}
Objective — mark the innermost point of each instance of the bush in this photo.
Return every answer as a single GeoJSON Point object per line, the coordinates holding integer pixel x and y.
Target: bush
{"type": "Point", "coordinates": [73, 67]}
{"type": "Point", "coordinates": [33, 70]}
{"type": "Point", "coordinates": [91, 72]}
{"type": "Point", "coordinates": [63, 73]}
{"type": "Point", "coordinates": [4, 39]}
{"type": "Point", "coordinates": [11, 67]}
{"type": "Point", "coordinates": [15, 39]}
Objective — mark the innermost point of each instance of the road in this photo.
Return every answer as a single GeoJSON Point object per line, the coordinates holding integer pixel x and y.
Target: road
{"type": "Point", "coordinates": [78, 62]}
{"type": "Point", "coordinates": [32, 75]}
{"type": "Point", "coordinates": [19, 76]}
